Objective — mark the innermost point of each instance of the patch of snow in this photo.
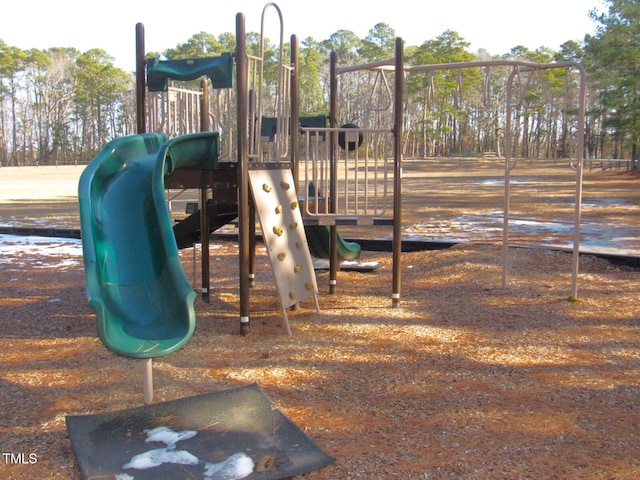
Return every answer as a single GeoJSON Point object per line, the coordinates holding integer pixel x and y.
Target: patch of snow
{"type": "Point", "coordinates": [159, 456]}
{"type": "Point", "coordinates": [41, 252]}
{"type": "Point", "coordinates": [168, 436]}
{"type": "Point", "coordinates": [124, 476]}
{"type": "Point", "coordinates": [595, 237]}
{"type": "Point", "coordinates": [237, 466]}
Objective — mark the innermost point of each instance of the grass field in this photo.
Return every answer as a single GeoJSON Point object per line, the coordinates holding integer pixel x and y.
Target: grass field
{"type": "Point", "coordinates": [457, 199]}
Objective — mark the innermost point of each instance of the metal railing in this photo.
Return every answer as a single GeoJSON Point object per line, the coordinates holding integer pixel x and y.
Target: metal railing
{"type": "Point", "coordinates": [174, 112]}
{"type": "Point", "coordinates": [347, 172]}
{"type": "Point", "coordinates": [277, 96]}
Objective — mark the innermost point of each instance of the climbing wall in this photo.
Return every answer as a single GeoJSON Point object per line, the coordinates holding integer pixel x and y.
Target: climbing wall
{"type": "Point", "coordinates": [278, 210]}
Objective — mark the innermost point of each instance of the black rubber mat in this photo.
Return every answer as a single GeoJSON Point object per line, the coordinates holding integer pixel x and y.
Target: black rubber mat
{"type": "Point", "coordinates": [225, 435]}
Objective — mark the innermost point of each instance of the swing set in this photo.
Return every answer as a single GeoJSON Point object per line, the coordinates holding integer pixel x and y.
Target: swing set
{"type": "Point", "coordinates": [346, 181]}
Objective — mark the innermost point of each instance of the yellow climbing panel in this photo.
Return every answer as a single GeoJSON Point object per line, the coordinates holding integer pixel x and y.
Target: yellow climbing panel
{"type": "Point", "coordinates": [280, 219]}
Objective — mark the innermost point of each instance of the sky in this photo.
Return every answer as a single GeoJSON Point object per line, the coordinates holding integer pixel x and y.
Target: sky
{"type": "Point", "coordinates": [493, 25]}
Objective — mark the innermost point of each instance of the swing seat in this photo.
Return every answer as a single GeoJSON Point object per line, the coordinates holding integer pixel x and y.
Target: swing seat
{"type": "Point", "coordinates": [134, 278]}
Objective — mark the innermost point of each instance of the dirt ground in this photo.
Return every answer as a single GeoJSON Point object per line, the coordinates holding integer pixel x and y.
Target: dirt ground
{"type": "Point", "coordinates": [466, 380]}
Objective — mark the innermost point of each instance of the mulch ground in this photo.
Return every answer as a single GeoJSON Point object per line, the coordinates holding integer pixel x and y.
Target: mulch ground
{"type": "Point", "coordinates": [466, 380]}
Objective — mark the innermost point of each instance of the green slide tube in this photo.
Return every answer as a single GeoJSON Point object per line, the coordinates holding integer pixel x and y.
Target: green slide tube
{"type": "Point", "coordinates": [319, 240]}
{"type": "Point", "coordinates": [133, 275]}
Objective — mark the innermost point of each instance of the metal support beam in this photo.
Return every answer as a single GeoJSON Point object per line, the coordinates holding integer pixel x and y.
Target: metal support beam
{"type": "Point", "coordinates": [141, 82]}
{"type": "Point", "coordinates": [397, 179]}
{"type": "Point", "coordinates": [243, 172]}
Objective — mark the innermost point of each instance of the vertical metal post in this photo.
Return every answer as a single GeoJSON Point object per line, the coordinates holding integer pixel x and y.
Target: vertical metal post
{"type": "Point", "coordinates": [243, 173]}
{"type": "Point", "coordinates": [204, 237]}
{"type": "Point", "coordinates": [147, 381]}
{"type": "Point", "coordinates": [295, 110]}
{"type": "Point", "coordinates": [507, 179]}
{"type": "Point", "coordinates": [397, 172]}
{"type": "Point", "coordinates": [141, 123]}
{"type": "Point", "coordinates": [251, 228]}
{"type": "Point", "coordinates": [333, 162]}
{"type": "Point", "coordinates": [579, 165]}
{"type": "Point", "coordinates": [204, 199]}
{"type": "Point", "coordinates": [205, 125]}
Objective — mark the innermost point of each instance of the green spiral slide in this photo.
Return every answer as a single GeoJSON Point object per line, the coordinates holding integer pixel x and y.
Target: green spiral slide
{"type": "Point", "coordinates": [319, 239]}
{"type": "Point", "coordinates": [134, 279]}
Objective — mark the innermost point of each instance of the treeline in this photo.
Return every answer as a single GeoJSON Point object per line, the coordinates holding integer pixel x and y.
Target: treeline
{"type": "Point", "coordinates": [60, 106]}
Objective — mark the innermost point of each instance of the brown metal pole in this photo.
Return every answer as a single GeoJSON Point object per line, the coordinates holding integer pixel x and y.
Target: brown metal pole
{"type": "Point", "coordinates": [141, 124]}
{"type": "Point", "coordinates": [251, 228]}
{"type": "Point", "coordinates": [204, 200]}
{"type": "Point", "coordinates": [295, 110]}
{"type": "Point", "coordinates": [204, 106]}
{"type": "Point", "coordinates": [397, 175]}
{"type": "Point", "coordinates": [243, 172]}
{"type": "Point", "coordinates": [333, 184]}
{"type": "Point", "coordinates": [204, 237]}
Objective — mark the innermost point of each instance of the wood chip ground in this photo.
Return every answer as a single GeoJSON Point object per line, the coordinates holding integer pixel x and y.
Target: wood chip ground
{"type": "Point", "coordinates": [466, 380]}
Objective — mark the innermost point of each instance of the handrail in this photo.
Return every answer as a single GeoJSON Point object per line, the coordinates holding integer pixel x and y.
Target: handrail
{"type": "Point", "coordinates": [282, 100]}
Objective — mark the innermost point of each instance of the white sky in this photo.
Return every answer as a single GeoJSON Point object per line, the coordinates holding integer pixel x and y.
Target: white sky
{"type": "Point", "coordinates": [495, 25]}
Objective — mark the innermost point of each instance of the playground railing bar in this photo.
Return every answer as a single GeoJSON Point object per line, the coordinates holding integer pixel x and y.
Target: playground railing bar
{"type": "Point", "coordinates": [174, 112]}
{"type": "Point", "coordinates": [279, 150]}
{"type": "Point", "coordinates": [609, 163]}
{"type": "Point", "coordinates": [363, 175]}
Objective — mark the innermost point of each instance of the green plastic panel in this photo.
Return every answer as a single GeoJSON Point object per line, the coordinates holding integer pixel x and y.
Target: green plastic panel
{"type": "Point", "coordinates": [269, 125]}
{"type": "Point", "coordinates": [218, 69]}
{"type": "Point", "coordinates": [319, 239]}
{"type": "Point", "coordinates": [196, 150]}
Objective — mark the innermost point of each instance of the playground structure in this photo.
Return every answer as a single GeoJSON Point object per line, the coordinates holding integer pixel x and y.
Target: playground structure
{"type": "Point", "coordinates": [142, 300]}
{"type": "Point", "coordinates": [269, 142]}
{"type": "Point", "coordinates": [355, 173]}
